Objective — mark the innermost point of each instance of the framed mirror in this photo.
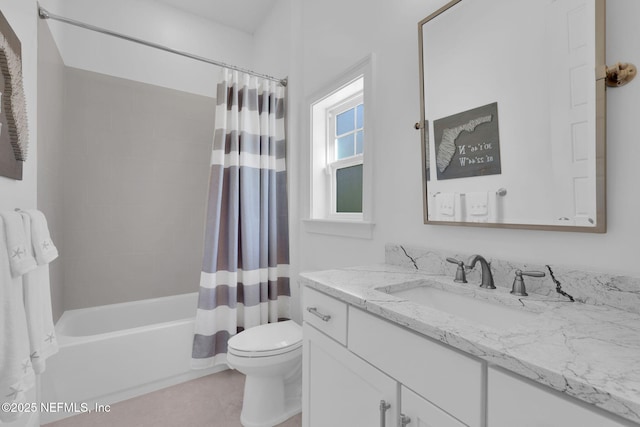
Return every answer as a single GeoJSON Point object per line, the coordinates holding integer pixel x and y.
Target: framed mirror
{"type": "Point", "coordinates": [513, 114]}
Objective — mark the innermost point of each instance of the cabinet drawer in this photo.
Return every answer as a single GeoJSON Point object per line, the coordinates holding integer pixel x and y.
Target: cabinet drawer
{"type": "Point", "coordinates": [326, 313]}
{"type": "Point", "coordinates": [445, 377]}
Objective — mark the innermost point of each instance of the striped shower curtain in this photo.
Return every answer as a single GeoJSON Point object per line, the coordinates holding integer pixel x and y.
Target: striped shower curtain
{"type": "Point", "coordinates": [245, 271]}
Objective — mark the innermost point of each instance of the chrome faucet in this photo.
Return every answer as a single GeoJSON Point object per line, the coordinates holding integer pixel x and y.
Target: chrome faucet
{"type": "Point", "coordinates": [487, 277]}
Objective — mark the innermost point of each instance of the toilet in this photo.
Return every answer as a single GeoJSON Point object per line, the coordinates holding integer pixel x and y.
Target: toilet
{"type": "Point", "coordinates": [270, 356]}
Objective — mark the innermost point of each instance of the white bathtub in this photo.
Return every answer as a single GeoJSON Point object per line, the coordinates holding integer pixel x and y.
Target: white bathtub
{"type": "Point", "coordinates": [114, 352]}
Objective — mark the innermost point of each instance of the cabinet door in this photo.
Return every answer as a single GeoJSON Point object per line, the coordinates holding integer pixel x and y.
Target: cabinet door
{"type": "Point", "coordinates": [340, 389]}
{"type": "Point", "coordinates": [421, 413]}
{"type": "Point", "coordinates": [512, 401]}
{"type": "Point", "coordinates": [451, 380]}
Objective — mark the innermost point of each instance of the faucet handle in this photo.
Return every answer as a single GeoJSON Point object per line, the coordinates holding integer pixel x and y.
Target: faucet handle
{"type": "Point", "coordinates": [518, 287]}
{"type": "Point", "coordinates": [532, 273]}
{"type": "Point", "coordinates": [461, 277]}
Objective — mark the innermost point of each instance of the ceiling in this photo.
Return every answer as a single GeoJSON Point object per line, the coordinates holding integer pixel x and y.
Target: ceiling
{"type": "Point", "coordinates": [244, 15]}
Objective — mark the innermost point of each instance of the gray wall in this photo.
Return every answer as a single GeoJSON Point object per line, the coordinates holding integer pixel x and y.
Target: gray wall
{"type": "Point", "coordinates": [50, 156]}
{"type": "Point", "coordinates": [135, 179]}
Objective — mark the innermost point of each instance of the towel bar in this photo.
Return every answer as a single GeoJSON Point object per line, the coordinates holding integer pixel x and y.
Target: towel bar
{"type": "Point", "coordinates": [501, 192]}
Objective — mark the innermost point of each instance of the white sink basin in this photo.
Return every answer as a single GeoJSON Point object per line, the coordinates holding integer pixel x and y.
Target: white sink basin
{"type": "Point", "coordinates": [492, 314]}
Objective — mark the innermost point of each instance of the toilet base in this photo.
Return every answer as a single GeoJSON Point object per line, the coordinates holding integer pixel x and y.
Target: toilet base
{"type": "Point", "coordinates": [291, 408]}
{"type": "Point", "coordinates": [269, 401]}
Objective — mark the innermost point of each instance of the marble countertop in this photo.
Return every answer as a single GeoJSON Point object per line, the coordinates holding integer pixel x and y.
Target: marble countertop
{"type": "Point", "coordinates": [586, 351]}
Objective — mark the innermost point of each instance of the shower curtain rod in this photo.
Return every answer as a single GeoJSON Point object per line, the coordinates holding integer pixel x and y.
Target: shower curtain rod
{"type": "Point", "coordinates": [44, 14]}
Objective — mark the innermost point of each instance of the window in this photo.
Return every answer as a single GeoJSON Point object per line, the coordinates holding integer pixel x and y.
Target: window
{"type": "Point", "coordinates": [345, 146]}
{"type": "Point", "coordinates": [340, 154]}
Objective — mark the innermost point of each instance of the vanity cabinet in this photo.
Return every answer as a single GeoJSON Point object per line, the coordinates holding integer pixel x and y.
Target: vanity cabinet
{"type": "Point", "coordinates": [513, 400]}
{"type": "Point", "coordinates": [353, 361]}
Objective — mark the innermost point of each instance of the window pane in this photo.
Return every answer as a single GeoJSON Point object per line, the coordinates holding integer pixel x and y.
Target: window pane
{"type": "Point", "coordinates": [359, 142]}
{"type": "Point", "coordinates": [360, 116]}
{"type": "Point", "coordinates": [345, 122]}
{"type": "Point", "coordinates": [344, 147]}
{"type": "Point", "coordinates": [349, 189]}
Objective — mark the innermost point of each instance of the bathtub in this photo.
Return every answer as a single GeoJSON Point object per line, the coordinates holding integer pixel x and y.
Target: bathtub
{"type": "Point", "coordinates": [118, 351]}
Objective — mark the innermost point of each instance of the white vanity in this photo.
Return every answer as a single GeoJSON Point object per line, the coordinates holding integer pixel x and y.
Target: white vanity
{"type": "Point", "coordinates": [374, 358]}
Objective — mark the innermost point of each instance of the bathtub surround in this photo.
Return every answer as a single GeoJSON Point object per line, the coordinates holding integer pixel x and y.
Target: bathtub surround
{"type": "Point", "coordinates": [586, 351]}
{"type": "Point", "coordinates": [148, 20]}
{"type": "Point", "coordinates": [245, 279]}
{"type": "Point", "coordinates": [134, 181]}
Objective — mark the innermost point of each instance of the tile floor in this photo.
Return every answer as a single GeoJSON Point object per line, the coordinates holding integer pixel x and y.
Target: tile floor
{"type": "Point", "coordinates": [211, 401]}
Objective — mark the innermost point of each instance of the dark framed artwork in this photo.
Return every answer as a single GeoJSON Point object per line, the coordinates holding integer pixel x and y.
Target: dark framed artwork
{"type": "Point", "coordinates": [14, 136]}
{"type": "Point", "coordinates": [468, 144]}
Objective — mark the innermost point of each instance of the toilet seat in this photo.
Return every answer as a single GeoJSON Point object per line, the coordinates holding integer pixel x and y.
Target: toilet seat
{"type": "Point", "coordinates": [271, 339]}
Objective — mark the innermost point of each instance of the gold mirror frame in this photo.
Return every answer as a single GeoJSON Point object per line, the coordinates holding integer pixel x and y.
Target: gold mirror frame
{"type": "Point", "coordinates": [600, 134]}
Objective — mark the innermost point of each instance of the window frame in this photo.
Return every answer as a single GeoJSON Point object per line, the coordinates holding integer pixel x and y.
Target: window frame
{"type": "Point", "coordinates": [317, 209]}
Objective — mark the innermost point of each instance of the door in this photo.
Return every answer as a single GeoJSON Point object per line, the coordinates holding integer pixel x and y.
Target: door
{"type": "Point", "coordinates": [571, 47]}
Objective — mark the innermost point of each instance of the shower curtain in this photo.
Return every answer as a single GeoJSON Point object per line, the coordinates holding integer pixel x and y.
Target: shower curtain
{"type": "Point", "coordinates": [244, 280]}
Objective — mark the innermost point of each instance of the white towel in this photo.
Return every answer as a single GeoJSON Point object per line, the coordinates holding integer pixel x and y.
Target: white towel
{"type": "Point", "coordinates": [16, 373]}
{"type": "Point", "coordinates": [37, 301]}
{"type": "Point", "coordinates": [43, 247]}
{"type": "Point", "coordinates": [446, 204]}
{"type": "Point", "coordinates": [481, 206]}
{"type": "Point", "coordinates": [477, 203]}
{"type": "Point", "coordinates": [447, 207]}
{"type": "Point", "coordinates": [20, 258]}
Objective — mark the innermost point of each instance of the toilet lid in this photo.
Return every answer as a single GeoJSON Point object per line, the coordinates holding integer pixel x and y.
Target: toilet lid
{"type": "Point", "coordinates": [266, 340]}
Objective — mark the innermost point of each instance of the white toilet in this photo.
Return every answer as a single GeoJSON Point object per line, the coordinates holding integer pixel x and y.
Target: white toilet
{"type": "Point", "coordinates": [271, 358]}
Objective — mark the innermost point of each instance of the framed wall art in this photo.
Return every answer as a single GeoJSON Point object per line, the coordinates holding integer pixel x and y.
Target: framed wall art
{"type": "Point", "coordinates": [14, 138]}
{"type": "Point", "coordinates": [468, 143]}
